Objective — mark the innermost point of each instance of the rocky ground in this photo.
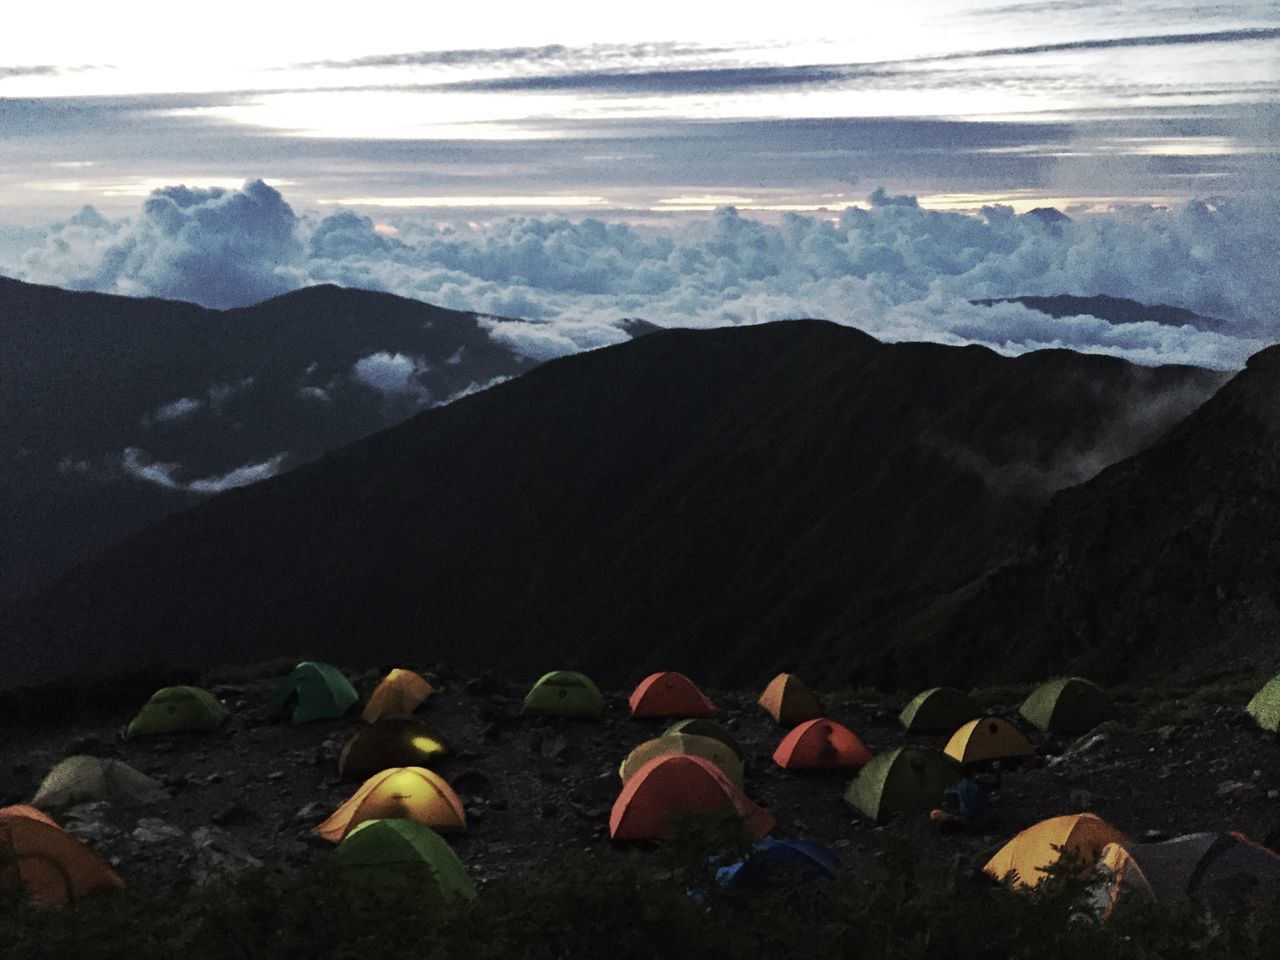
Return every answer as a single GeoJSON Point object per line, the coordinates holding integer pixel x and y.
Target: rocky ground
{"type": "Point", "coordinates": [535, 788]}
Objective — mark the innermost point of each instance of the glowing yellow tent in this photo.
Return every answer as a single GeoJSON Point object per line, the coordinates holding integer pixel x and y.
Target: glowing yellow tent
{"type": "Point", "coordinates": [401, 793]}
{"type": "Point", "coordinates": [988, 738]}
{"type": "Point", "coordinates": [689, 745]}
{"type": "Point", "coordinates": [1083, 835]}
{"type": "Point", "coordinates": [398, 694]}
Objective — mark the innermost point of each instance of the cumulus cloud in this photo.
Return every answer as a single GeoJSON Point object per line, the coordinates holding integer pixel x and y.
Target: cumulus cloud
{"type": "Point", "coordinates": [392, 375]}
{"type": "Point", "coordinates": [217, 247]}
{"type": "Point", "coordinates": [137, 464]}
{"type": "Point", "coordinates": [891, 267]}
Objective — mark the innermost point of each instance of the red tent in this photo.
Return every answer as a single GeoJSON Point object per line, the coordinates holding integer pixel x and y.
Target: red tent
{"type": "Point", "coordinates": [822, 744]}
{"type": "Point", "coordinates": [675, 784]}
{"type": "Point", "coordinates": [669, 694]}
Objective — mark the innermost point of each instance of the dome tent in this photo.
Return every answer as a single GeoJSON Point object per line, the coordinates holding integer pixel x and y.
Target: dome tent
{"type": "Point", "coordinates": [53, 867]}
{"type": "Point", "coordinates": [702, 727]}
{"type": "Point", "coordinates": [1028, 855]}
{"type": "Point", "coordinates": [789, 701]}
{"type": "Point", "coordinates": [1067, 705]}
{"type": "Point", "coordinates": [687, 744]}
{"type": "Point", "coordinates": [313, 691]}
{"type": "Point", "coordinates": [670, 786]}
{"type": "Point", "coordinates": [987, 739]}
{"type": "Point", "coordinates": [822, 744]}
{"type": "Point", "coordinates": [564, 693]}
{"type": "Point", "coordinates": [399, 693]}
{"type": "Point", "coordinates": [391, 742]}
{"type": "Point", "coordinates": [374, 850]}
{"type": "Point", "coordinates": [903, 780]}
{"type": "Point", "coordinates": [938, 710]}
{"type": "Point", "coordinates": [409, 793]}
{"type": "Point", "coordinates": [669, 694]}
{"type": "Point", "coordinates": [83, 779]}
{"type": "Point", "coordinates": [178, 710]}
{"type": "Point", "coordinates": [1264, 707]}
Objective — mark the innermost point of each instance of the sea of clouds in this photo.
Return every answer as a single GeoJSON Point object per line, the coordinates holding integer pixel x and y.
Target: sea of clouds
{"type": "Point", "coordinates": [892, 268]}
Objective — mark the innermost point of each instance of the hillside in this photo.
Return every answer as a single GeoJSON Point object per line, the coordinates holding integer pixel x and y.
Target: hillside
{"type": "Point", "coordinates": [1165, 563]}
{"type": "Point", "coordinates": [116, 411]}
{"type": "Point", "coordinates": [716, 501]}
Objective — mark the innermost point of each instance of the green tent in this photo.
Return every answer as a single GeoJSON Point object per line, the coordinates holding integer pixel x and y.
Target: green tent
{"type": "Point", "coordinates": [1265, 706]}
{"type": "Point", "coordinates": [904, 780]}
{"type": "Point", "coordinates": [178, 710]}
{"type": "Point", "coordinates": [699, 727]}
{"type": "Point", "coordinates": [938, 710]}
{"type": "Point", "coordinates": [1067, 705]}
{"type": "Point", "coordinates": [563, 693]}
{"type": "Point", "coordinates": [374, 845]}
{"type": "Point", "coordinates": [313, 691]}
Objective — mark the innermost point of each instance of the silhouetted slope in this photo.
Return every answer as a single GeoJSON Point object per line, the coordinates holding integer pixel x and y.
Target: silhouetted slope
{"type": "Point", "coordinates": [1165, 563]}
{"type": "Point", "coordinates": [86, 377]}
{"type": "Point", "coordinates": [715, 501]}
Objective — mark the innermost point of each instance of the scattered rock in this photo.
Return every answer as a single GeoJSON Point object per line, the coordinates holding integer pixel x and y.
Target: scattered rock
{"type": "Point", "coordinates": [1236, 788]}
{"type": "Point", "coordinates": [275, 775]}
{"type": "Point", "coordinates": [314, 811]}
{"type": "Point", "coordinates": [217, 853]}
{"type": "Point", "coordinates": [236, 813]}
{"type": "Point", "coordinates": [552, 747]}
{"type": "Point", "coordinates": [155, 830]}
{"type": "Point", "coordinates": [1083, 800]}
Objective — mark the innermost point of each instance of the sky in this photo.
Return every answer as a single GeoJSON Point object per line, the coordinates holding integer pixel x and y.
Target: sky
{"type": "Point", "coordinates": [573, 165]}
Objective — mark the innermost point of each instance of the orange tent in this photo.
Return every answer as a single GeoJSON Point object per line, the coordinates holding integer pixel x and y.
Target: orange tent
{"type": "Point", "coordinates": [400, 693]}
{"type": "Point", "coordinates": [669, 694]}
{"type": "Point", "coordinates": [822, 745]}
{"type": "Point", "coordinates": [675, 784]}
{"type": "Point", "coordinates": [789, 701]}
{"type": "Point", "coordinates": [1027, 856]}
{"type": "Point", "coordinates": [401, 793]}
{"type": "Point", "coordinates": [53, 866]}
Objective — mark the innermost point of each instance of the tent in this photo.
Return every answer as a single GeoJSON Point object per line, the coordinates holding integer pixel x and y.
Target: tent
{"type": "Point", "coordinates": [669, 786]}
{"type": "Point", "coordinates": [407, 793]}
{"type": "Point", "coordinates": [1028, 854]}
{"type": "Point", "coordinates": [375, 845]}
{"type": "Point", "coordinates": [1265, 705]}
{"type": "Point", "coordinates": [789, 701]}
{"type": "Point", "coordinates": [822, 745]}
{"type": "Point", "coordinates": [709, 728]}
{"type": "Point", "coordinates": [564, 693]}
{"type": "Point", "coordinates": [688, 744]}
{"type": "Point", "coordinates": [1200, 866]}
{"type": "Point", "coordinates": [313, 691]}
{"type": "Point", "coordinates": [986, 739]}
{"type": "Point", "coordinates": [391, 742]}
{"type": "Point", "coordinates": [1067, 705]}
{"type": "Point", "coordinates": [938, 710]}
{"type": "Point", "coordinates": [52, 866]}
{"type": "Point", "coordinates": [82, 779]}
{"type": "Point", "coordinates": [904, 780]}
{"type": "Point", "coordinates": [178, 710]}
{"type": "Point", "coordinates": [669, 694]}
{"type": "Point", "coordinates": [780, 864]}
{"type": "Point", "coordinates": [399, 693]}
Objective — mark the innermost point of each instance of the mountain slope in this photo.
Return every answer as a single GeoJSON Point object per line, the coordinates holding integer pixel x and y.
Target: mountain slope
{"type": "Point", "coordinates": [1166, 562]}
{"type": "Point", "coordinates": [707, 500]}
{"type": "Point", "coordinates": [116, 411]}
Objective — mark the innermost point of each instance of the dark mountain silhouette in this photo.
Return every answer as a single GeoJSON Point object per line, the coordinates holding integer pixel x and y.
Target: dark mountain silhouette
{"type": "Point", "coordinates": [96, 390]}
{"type": "Point", "coordinates": [717, 501]}
{"type": "Point", "coordinates": [1111, 309]}
{"type": "Point", "coordinates": [1165, 563]}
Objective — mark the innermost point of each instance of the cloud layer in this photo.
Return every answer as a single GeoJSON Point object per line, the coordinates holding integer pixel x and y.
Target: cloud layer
{"type": "Point", "coordinates": [892, 268]}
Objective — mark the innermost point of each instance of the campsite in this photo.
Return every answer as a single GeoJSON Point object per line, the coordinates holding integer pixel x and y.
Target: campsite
{"type": "Point", "coordinates": [508, 789]}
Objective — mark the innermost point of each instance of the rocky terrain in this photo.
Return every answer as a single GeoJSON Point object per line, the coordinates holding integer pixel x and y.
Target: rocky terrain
{"type": "Point", "coordinates": [536, 790]}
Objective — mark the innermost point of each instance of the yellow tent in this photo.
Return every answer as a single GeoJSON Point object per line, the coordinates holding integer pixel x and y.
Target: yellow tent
{"type": "Point", "coordinates": [988, 738]}
{"type": "Point", "coordinates": [401, 793]}
{"type": "Point", "coordinates": [1082, 835]}
{"type": "Point", "coordinates": [789, 701]}
{"type": "Point", "coordinates": [687, 744]}
{"type": "Point", "coordinates": [400, 693]}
